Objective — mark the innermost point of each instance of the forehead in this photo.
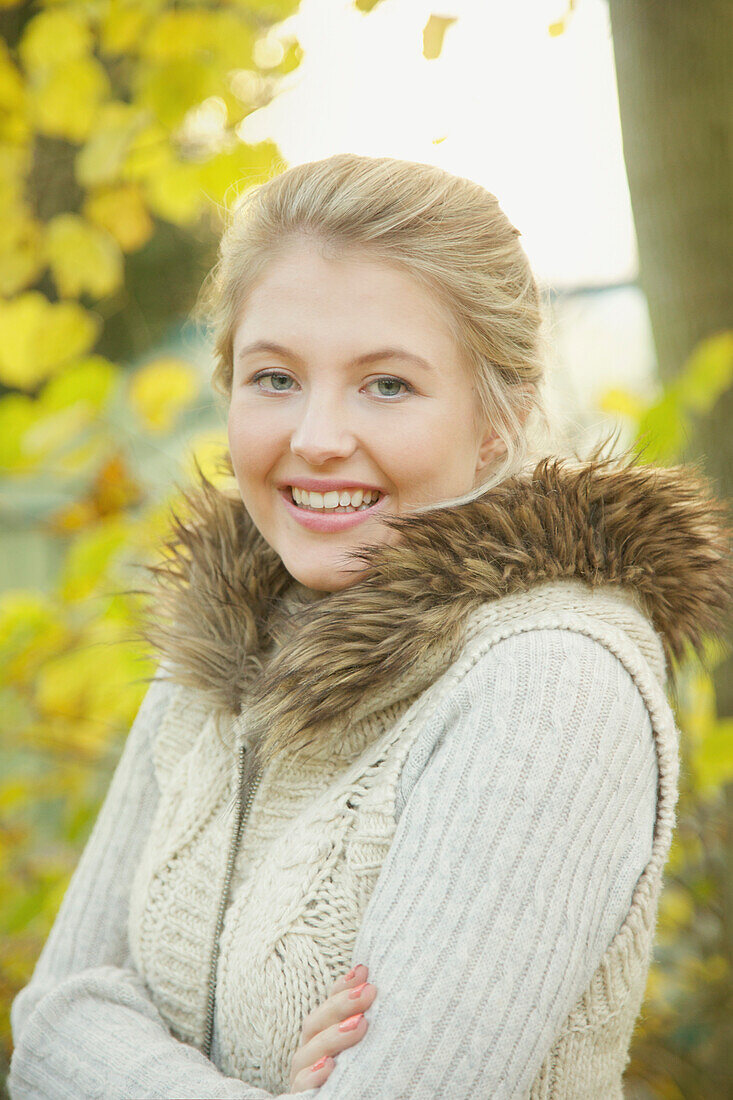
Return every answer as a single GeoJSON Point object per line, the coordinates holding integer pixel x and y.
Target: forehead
{"type": "Point", "coordinates": [306, 296]}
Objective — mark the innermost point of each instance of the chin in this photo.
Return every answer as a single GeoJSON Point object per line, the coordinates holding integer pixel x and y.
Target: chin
{"type": "Point", "coordinates": [320, 580]}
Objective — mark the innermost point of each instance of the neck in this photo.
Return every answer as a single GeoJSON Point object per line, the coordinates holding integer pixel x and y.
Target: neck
{"type": "Point", "coordinates": [304, 594]}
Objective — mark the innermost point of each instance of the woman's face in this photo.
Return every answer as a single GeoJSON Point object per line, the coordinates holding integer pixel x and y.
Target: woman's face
{"type": "Point", "coordinates": [346, 378]}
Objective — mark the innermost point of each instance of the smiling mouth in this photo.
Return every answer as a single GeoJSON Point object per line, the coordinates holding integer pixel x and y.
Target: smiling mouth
{"type": "Point", "coordinates": [323, 503]}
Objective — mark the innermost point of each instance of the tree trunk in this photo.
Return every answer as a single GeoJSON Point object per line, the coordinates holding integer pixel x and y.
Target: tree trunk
{"type": "Point", "coordinates": [674, 69]}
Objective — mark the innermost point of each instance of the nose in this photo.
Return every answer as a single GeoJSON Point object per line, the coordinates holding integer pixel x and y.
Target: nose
{"type": "Point", "coordinates": [322, 432]}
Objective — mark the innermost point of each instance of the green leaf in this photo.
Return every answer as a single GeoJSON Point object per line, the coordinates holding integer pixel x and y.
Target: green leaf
{"type": "Point", "coordinates": [713, 760]}
{"type": "Point", "coordinates": [18, 414]}
{"type": "Point", "coordinates": [664, 428]}
{"type": "Point", "coordinates": [89, 558]}
{"type": "Point", "coordinates": [707, 374]}
{"type": "Point", "coordinates": [91, 381]}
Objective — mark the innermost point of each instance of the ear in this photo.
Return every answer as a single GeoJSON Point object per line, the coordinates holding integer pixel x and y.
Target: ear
{"type": "Point", "coordinates": [492, 447]}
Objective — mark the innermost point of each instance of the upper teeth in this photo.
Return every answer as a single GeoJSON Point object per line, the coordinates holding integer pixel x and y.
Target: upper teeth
{"type": "Point", "coordinates": [334, 499]}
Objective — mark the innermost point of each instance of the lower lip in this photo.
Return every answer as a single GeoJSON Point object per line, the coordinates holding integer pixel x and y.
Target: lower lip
{"type": "Point", "coordinates": [328, 521]}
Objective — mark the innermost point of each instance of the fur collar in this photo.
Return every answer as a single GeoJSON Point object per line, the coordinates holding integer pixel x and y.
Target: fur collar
{"type": "Point", "coordinates": [219, 611]}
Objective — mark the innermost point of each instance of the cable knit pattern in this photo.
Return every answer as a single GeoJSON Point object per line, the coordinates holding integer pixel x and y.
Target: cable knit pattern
{"type": "Point", "coordinates": [494, 856]}
{"type": "Point", "coordinates": [460, 771]}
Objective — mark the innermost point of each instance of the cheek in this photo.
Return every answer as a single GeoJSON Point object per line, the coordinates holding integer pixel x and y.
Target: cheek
{"type": "Point", "coordinates": [432, 451]}
{"type": "Point", "coordinates": [253, 444]}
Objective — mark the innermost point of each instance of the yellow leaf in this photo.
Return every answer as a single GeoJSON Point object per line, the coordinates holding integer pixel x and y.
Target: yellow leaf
{"type": "Point", "coordinates": [708, 373]}
{"type": "Point", "coordinates": [21, 255]}
{"type": "Point", "coordinates": [82, 257]}
{"type": "Point", "coordinates": [85, 454]}
{"type": "Point", "coordinates": [13, 123]}
{"type": "Point", "coordinates": [121, 25]}
{"type": "Point", "coordinates": [232, 41]}
{"type": "Point", "coordinates": [245, 164]}
{"type": "Point", "coordinates": [171, 88]}
{"type": "Point", "coordinates": [207, 452]}
{"type": "Point", "coordinates": [80, 686]}
{"type": "Point", "coordinates": [30, 631]}
{"type": "Point", "coordinates": [161, 390]}
{"type": "Point", "coordinates": [561, 25]}
{"type": "Point", "coordinates": [177, 35]}
{"type": "Point", "coordinates": [621, 402]}
{"type": "Point", "coordinates": [274, 11]}
{"type": "Point", "coordinates": [90, 557]}
{"type": "Point", "coordinates": [122, 212]}
{"type": "Point", "coordinates": [712, 760]}
{"type": "Point", "coordinates": [676, 907]}
{"type": "Point", "coordinates": [14, 795]}
{"type": "Point", "coordinates": [89, 382]}
{"type": "Point", "coordinates": [150, 534]}
{"type": "Point", "coordinates": [18, 414]}
{"type": "Point", "coordinates": [174, 193]}
{"type": "Point", "coordinates": [663, 428]}
{"type": "Point", "coordinates": [54, 37]}
{"type": "Point", "coordinates": [114, 488]}
{"type": "Point", "coordinates": [433, 35]}
{"type": "Point", "coordinates": [102, 157]}
{"type": "Point", "coordinates": [150, 152]}
{"type": "Point", "coordinates": [68, 331]}
{"type": "Point", "coordinates": [54, 430]}
{"type": "Point", "coordinates": [40, 336]}
{"type": "Point", "coordinates": [65, 101]}
{"type": "Point", "coordinates": [15, 163]}
{"type": "Point", "coordinates": [220, 39]}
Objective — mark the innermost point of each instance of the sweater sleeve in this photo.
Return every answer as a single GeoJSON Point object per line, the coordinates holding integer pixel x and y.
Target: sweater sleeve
{"type": "Point", "coordinates": [527, 816]}
{"type": "Point", "coordinates": [529, 813]}
{"type": "Point", "coordinates": [85, 1026]}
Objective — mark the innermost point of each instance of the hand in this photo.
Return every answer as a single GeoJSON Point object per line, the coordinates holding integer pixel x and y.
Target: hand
{"type": "Point", "coordinates": [320, 1036]}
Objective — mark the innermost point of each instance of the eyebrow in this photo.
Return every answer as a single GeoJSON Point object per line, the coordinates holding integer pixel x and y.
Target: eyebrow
{"type": "Point", "coordinates": [361, 360]}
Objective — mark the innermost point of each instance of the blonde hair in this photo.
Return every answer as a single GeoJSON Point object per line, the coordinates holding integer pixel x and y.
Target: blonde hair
{"type": "Point", "coordinates": [447, 232]}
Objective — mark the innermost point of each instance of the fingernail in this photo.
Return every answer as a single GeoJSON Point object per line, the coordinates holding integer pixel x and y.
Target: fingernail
{"type": "Point", "coordinates": [350, 975]}
{"type": "Point", "coordinates": [320, 1063]}
{"type": "Point", "coordinates": [351, 1023]}
{"type": "Point", "coordinates": [354, 993]}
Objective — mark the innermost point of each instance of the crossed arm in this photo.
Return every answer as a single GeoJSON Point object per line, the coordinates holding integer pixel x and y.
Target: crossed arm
{"type": "Point", "coordinates": [527, 810]}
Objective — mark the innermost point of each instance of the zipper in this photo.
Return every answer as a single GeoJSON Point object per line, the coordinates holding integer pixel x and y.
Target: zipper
{"type": "Point", "coordinates": [242, 813]}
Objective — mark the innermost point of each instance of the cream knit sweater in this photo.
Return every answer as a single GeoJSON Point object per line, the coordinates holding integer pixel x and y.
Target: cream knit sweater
{"type": "Point", "coordinates": [481, 816]}
{"type": "Point", "coordinates": [489, 878]}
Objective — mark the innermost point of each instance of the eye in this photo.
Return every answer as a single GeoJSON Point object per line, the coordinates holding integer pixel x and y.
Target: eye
{"type": "Point", "coordinates": [277, 379]}
{"type": "Point", "coordinates": [281, 383]}
{"type": "Point", "coordinates": [391, 382]}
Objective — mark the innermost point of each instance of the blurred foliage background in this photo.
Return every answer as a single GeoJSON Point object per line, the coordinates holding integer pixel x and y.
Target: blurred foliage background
{"type": "Point", "coordinates": [118, 152]}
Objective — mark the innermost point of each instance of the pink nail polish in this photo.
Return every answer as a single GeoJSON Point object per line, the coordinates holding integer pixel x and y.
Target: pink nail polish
{"type": "Point", "coordinates": [351, 1023]}
{"type": "Point", "coordinates": [350, 975]}
{"type": "Point", "coordinates": [354, 993]}
{"type": "Point", "coordinates": [320, 1063]}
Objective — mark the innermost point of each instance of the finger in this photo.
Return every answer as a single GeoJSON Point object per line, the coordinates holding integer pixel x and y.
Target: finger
{"type": "Point", "coordinates": [359, 974]}
{"type": "Point", "coordinates": [313, 1076]}
{"type": "Point", "coordinates": [336, 1008]}
{"type": "Point", "coordinates": [330, 1042]}
{"type": "Point", "coordinates": [323, 1015]}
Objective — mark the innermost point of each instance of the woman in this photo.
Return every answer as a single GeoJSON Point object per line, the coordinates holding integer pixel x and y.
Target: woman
{"type": "Point", "coordinates": [410, 720]}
